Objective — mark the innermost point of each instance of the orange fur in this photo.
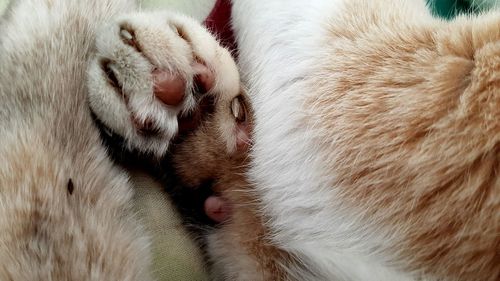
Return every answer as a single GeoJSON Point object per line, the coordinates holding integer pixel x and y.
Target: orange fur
{"type": "Point", "coordinates": [418, 109]}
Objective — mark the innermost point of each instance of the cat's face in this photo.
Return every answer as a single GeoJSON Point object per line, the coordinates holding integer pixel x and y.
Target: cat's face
{"type": "Point", "coordinates": [215, 148]}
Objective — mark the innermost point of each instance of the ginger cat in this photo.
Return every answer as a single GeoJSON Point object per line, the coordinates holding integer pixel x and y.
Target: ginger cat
{"type": "Point", "coordinates": [376, 145]}
{"type": "Point", "coordinates": [374, 153]}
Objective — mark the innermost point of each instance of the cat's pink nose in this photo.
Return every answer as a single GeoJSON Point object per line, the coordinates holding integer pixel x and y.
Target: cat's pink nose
{"type": "Point", "coordinates": [169, 88]}
{"type": "Point", "coordinates": [217, 209]}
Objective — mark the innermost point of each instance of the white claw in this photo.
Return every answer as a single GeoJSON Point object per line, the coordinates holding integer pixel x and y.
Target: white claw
{"type": "Point", "coordinates": [126, 34]}
{"type": "Point", "coordinates": [238, 109]}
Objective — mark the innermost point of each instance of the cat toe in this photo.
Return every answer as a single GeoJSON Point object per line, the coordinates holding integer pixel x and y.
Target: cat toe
{"type": "Point", "coordinates": [150, 74]}
{"type": "Point", "coordinates": [169, 88]}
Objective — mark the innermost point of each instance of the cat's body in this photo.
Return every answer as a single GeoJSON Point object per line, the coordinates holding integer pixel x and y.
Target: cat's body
{"type": "Point", "coordinates": [375, 152]}
{"type": "Point", "coordinates": [66, 210]}
{"type": "Point", "coordinates": [376, 145]}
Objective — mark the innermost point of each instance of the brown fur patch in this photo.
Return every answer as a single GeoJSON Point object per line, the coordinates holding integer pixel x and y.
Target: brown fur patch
{"type": "Point", "coordinates": [203, 156]}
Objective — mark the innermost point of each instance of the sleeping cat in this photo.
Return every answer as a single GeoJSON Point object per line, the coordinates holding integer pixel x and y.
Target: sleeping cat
{"type": "Point", "coordinates": [375, 130]}
{"type": "Point", "coordinates": [67, 66]}
{"type": "Point", "coordinates": [376, 145]}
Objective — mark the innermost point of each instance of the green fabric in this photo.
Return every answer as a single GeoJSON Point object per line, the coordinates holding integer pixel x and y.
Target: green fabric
{"type": "Point", "coordinates": [3, 5]}
{"type": "Point", "coordinates": [175, 255]}
{"type": "Point", "coordinates": [198, 9]}
{"type": "Point", "coordinates": [448, 9]}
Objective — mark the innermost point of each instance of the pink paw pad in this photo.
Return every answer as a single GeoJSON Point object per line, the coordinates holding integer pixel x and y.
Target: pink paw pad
{"type": "Point", "coordinates": [170, 88]}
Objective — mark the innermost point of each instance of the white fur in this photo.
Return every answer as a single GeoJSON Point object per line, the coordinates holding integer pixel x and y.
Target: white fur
{"type": "Point", "coordinates": [133, 70]}
{"type": "Point", "coordinates": [230, 262]}
{"type": "Point", "coordinates": [278, 48]}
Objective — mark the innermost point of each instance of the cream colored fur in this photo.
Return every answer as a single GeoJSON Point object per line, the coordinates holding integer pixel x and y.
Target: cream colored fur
{"type": "Point", "coordinates": [66, 212]}
{"type": "Point", "coordinates": [65, 207]}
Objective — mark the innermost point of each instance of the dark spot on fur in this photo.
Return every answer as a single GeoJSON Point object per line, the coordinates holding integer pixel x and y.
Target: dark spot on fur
{"type": "Point", "coordinates": [70, 186]}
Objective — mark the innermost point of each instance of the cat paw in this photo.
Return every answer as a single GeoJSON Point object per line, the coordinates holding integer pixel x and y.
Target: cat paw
{"type": "Point", "coordinates": [150, 70]}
